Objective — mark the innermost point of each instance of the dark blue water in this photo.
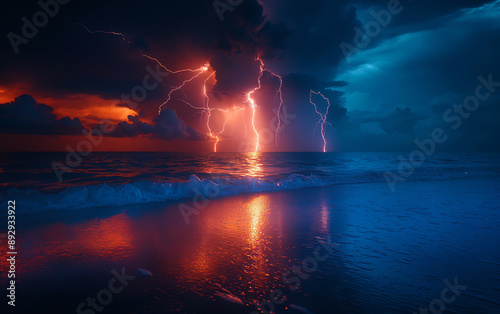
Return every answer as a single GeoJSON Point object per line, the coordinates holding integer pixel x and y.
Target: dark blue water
{"type": "Point", "coordinates": [106, 179]}
{"type": "Point", "coordinates": [391, 252]}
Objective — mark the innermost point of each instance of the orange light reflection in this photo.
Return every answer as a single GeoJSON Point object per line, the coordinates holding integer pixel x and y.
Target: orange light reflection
{"type": "Point", "coordinates": [219, 260]}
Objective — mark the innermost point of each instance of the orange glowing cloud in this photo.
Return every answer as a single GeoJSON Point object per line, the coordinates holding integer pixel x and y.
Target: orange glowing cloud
{"type": "Point", "coordinates": [88, 108]}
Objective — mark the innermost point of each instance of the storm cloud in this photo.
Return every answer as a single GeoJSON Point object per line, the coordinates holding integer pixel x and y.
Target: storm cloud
{"type": "Point", "coordinates": [382, 98]}
{"type": "Point", "coordinates": [25, 116]}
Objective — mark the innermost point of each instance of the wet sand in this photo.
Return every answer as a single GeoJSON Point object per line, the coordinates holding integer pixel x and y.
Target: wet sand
{"type": "Point", "coordinates": [391, 252]}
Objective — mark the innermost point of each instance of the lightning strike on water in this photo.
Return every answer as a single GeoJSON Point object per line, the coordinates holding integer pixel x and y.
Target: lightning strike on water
{"type": "Point", "coordinates": [206, 109]}
{"type": "Point", "coordinates": [322, 119]}
{"type": "Point", "coordinates": [254, 106]}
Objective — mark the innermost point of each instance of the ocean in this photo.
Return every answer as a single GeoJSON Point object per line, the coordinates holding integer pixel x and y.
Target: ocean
{"type": "Point", "coordinates": [113, 179]}
{"type": "Point", "coordinates": [255, 233]}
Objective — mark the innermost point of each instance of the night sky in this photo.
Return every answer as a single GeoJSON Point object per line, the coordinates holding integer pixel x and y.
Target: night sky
{"type": "Point", "coordinates": [408, 76]}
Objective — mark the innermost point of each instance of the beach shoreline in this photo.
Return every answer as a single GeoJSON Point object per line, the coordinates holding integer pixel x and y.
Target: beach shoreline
{"type": "Point", "coordinates": [394, 250]}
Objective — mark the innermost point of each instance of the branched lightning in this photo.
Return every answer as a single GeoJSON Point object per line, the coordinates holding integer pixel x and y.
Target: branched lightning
{"type": "Point", "coordinates": [253, 105]}
{"type": "Point", "coordinates": [279, 93]}
{"type": "Point", "coordinates": [198, 72]}
{"type": "Point", "coordinates": [206, 109]}
{"type": "Point", "coordinates": [216, 137]}
{"type": "Point", "coordinates": [278, 113]}
{"type": "Point", "coordinates": [103, 32]}
{"type": "Point", "coordinates": [323, 117]}
{"type": "Point", "coordinates": [191, 105]}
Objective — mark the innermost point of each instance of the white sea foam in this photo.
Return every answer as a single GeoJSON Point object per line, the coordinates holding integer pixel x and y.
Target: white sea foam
{"type": "Point", "coordinates": [98, 195]}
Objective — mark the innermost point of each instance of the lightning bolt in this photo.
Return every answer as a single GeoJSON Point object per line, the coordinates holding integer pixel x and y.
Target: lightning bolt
{"type": "Point", "coordinates": [206, 99]}
{"type": "Point", "coordinates": [103, 32]}
{"type": "Point", "coordinates": [278, 114]}
{"type": "Point", "coordinates": [253, 104]}
{"type": "Point", "coordinates": [206, 109]}
{"type": "Point", "coordinates": [204, 68]}
{"type": "Point", "coordinates": [279, 93]}
{"type": "Point", "coordinates": [217, 136]}
{"type": "Point", "coordinates": [196, 72]}
{"type": "Point", "coordinates": [323, 117]}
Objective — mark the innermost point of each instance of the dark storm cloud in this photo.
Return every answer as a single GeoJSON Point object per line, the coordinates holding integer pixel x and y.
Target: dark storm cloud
{"type": "Point", "coordinates": [478, 131]}
{"type": "Point", "coordinates": [336, 111]}
{"type": "Point", "coordinates": [303, 36]}
{"type": "Point", "coordinates": [412, 61]}
{"type": "Point", "coordinates": [419, 12]}
{"type": "Point", "coordinates": [180, 34]}
{"type": "Point", "coordinates": [411, 16]}
{"type": "Point", "coordinates": [131, 128]}
{"type": "Point", "coordinates": [439, 61]}
{"type": "Point", "coordinates": [166, 126]}
{"type": "Point", "coordinates": [301, 130]}
{"type": "Point", "coordinates": [399, 121]}
{"type": "Point", "coordinates": [25, 116]}
{"type": "Point", "coordinates": [316, 28]}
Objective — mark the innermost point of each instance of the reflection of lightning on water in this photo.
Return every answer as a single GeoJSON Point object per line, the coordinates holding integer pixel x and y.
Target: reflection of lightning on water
{"type": "Point", "coordinates": [323, 117]}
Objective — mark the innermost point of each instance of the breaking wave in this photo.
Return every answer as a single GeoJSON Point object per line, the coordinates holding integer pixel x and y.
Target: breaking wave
{"type": "Point", "coordinates": [141, 192]}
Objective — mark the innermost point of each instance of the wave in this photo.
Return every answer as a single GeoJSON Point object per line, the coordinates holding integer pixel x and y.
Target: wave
{"type": "Point", "coordinates": [99, 195]}
{"type": "Point", "coordinates": [80, 197]}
